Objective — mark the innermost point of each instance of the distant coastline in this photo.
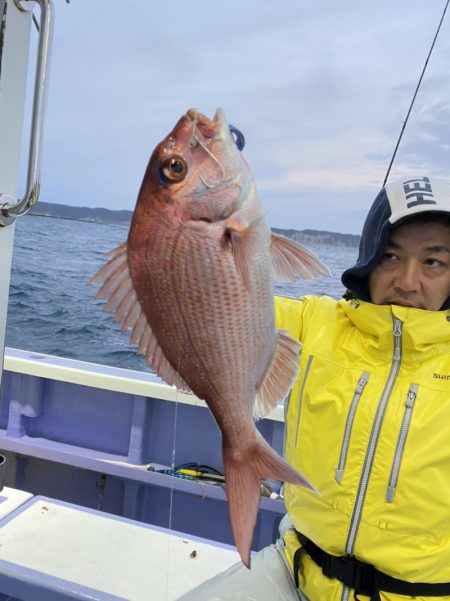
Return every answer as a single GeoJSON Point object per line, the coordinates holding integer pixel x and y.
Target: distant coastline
{"type": "Point", "coordinates": [123, 218]}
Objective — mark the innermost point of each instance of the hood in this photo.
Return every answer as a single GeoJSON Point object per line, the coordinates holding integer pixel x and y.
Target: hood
{"type": "Point", "coordinates": [397, 203]}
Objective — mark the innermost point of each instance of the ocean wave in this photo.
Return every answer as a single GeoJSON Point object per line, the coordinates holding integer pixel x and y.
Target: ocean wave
{"type": "Point", "coordinates": [52, 310]}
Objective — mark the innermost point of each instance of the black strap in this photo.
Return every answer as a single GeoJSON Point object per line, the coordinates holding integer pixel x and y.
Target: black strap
{"type": "Point", "coordinates": [364, 578]}
{"type": "Point", "coordinates": [296, 565]}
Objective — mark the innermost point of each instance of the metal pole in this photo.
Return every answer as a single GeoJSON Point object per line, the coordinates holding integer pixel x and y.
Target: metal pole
{"type": "Point", "coordinates": [12, 208]}
{"type": "Point", "coordinates": [15, 27]}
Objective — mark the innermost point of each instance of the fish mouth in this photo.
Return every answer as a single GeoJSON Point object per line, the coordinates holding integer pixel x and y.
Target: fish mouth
{"type": "Point", "coordinates": [215, 128]}
{"type": "Point", "coordinates": [223, 170]}
{"type": "Point", "coordinates": [205, 132]}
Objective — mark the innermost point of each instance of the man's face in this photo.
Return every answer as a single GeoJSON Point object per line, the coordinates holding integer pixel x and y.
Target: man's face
{"type": "Point", "coordinates": [415, 268]}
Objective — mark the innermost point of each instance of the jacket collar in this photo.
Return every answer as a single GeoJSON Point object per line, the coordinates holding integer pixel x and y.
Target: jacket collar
{"type": "Point", "coordinates": [424, 333]}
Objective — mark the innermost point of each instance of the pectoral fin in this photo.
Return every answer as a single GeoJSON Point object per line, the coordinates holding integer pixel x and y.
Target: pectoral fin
{"type": "Point", "coordinates": [291, 260]}
{"type": "Point", "coordinates": [242, 238]}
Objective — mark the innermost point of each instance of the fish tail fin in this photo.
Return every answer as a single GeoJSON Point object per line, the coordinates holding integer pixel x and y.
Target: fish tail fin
{"type": "Point", "coordinates": [244, 470]}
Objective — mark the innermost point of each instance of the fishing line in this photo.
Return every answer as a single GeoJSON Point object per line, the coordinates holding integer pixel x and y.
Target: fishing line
{"type": "Point", "coordinates": [181, 353]}
{"type": "Point", "coordinates": [174, 462]}
{"type": "Point", "coordinates": [116, 225]}
{"type": "Point", "coordinates": [415, 94]}
{"type": "Point", "coordinates": [206, 149]}
{"type": "Point", "coordinates": [172, 491]}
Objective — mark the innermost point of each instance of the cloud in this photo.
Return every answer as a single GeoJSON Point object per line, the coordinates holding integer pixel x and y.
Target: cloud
{"type": "Point", "coordinates": [320, 91]}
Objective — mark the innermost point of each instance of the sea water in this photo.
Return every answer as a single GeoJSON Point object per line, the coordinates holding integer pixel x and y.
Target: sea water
{"type": "Point", "coordinates": [52, 309]}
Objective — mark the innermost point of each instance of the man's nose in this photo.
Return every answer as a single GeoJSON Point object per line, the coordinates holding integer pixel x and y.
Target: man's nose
{"type": "Point", "coordinates": [408, 276]}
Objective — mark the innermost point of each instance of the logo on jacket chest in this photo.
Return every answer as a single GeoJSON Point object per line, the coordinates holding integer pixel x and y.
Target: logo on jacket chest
{"type": "Point", "coordinates": [441, 376]}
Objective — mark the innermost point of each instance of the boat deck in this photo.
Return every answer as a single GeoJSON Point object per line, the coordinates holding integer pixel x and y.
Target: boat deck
{"type": "Point", "coordinates": [87, 442]}
{"type": "Point", "coordinates": [53, 551]}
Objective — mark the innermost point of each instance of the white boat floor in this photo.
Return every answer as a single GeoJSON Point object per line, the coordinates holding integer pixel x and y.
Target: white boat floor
{"type": "Point", "coordinates": [11, 499]}
{"type": "Point", "coordinates": [58, 546]}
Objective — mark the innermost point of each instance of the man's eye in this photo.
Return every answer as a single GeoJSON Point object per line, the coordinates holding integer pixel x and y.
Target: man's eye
{"type": "Point", "coordinates": [432, 262]}
{"type": "Point", "coordinates": [389, 257]}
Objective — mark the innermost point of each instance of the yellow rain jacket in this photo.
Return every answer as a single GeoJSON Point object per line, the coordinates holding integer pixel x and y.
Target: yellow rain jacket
{"type": "Point", "coordinates": [368, 423]}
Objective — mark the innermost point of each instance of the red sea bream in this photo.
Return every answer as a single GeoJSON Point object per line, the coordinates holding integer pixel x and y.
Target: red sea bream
{"type": "Point", "coordinates": [193, 284]}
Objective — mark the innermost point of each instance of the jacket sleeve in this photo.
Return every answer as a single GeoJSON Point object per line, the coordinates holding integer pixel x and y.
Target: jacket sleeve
{"type": "Point", "coordinates": [289, 315]}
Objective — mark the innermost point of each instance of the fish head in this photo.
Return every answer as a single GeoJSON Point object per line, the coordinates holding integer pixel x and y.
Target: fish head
{"type": "Point", "coordinates": [197, 171]}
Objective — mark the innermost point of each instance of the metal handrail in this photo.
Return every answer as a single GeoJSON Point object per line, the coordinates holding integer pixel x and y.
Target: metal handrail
{"type": "Point", "coordinates": [10, 210]}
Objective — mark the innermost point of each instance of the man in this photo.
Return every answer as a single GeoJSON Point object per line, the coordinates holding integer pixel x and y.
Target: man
{"type": "Point", "coordinates": [368, 422]}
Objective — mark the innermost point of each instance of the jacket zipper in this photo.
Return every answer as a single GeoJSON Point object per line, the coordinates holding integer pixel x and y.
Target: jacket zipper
{"type": "Point", "coordinates": [409, 405]}
{"type": "Point", "coordinates": [373, 440]}
{"type": "Point", "coordinates": [300, 401]}
{"type": "Point", "coordinates": [349, 424]}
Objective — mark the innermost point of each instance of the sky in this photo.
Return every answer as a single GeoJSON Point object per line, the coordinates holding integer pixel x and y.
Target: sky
{"type": "Point", "coordinates": [320, 90]}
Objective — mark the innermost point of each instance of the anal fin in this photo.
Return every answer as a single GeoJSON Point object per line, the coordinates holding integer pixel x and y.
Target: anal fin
{"type": "Point", "coordinates": [279, 377]}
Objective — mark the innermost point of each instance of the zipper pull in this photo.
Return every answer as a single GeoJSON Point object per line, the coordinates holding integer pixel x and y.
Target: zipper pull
{"type": "Point", "coordinates": [411, 396]}
{"type": "Point", "coordinates": [339, 472]}
{"type": "Point", "coordinates": [397, 339]}
{"type": "Point", "coordinates": [361, 383]}
{"type": "Point", "coordinates": [390, 493]}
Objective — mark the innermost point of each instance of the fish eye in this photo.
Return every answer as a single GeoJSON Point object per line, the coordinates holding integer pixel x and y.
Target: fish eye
{"type": "Point", "coordinates": [173, 169]}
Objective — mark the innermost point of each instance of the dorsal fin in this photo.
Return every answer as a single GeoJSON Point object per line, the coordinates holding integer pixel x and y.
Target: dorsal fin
{"type": "Point", "coordinates": [291, 260]}
{"type": "Point", "coordinates": [117, 287]}
{"type": "Point", "coordinates": [279, 377]}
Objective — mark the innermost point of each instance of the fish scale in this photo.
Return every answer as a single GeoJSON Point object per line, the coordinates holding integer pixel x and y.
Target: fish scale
{"type": "Point", "coordinates": [200, 259]}
{"type": "Point", "coordinates": [214, 334]}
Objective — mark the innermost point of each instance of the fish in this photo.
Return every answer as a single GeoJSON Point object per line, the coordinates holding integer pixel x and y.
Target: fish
{"type": "Point", "coordinates": [193, 284]}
